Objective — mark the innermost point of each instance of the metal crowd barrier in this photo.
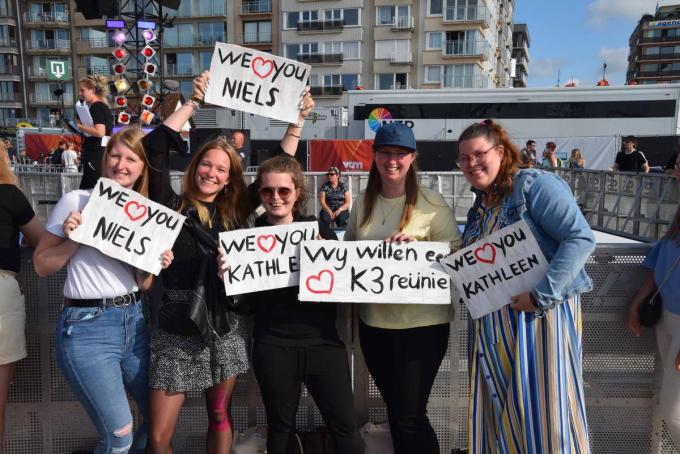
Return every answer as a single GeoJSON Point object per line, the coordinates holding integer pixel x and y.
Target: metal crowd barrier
{"type": "Point", "coordinates": [619, 374]}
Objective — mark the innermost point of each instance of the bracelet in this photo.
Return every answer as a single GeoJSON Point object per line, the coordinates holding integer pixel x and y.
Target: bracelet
{"type": "Point", "coordinates": [197, 100]}
{"type": "Point", "coordinates": [299, 124]}
{"type": "Point", "coordinates": [194, 105]}
{"type": "Point", "coordinates": [291, 134]}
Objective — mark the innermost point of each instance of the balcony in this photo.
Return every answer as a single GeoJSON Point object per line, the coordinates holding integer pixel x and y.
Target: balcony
{"type": "Point", "coordinates": [465, 82]}
{"type": "Point", "coordinates": [657, 73]}
{"type": "Point", "coordinates": [403, 24]}
{"type": "Point", "coordinates": [8, 42]}
{"type": "Point", "coordinates": [6, 10]}
{"type": "Point", "coordinates": [473, 14]}
{"type": "Point", "coordinates": [96, 43]}
{"type": "Point", "coordinates": [48, 99]}
{"type": "Point", "coordinates": [48, 44]}
{"type": "Point", "coordinates": [478, 49]}
{"type": "Point", "coordinates": [91, 70]}
{"type": "Point", "coordinates": [660, 39]}
{"type": "Point", "coordinates": [256, 7]}
{"type": "Point", "coordinates": [257, 38]}
{"type": "Point", "coordinates": [315, 58]}
{"type": "Point", "coordinates": [194, 41]}
{"type": "Point", "coordinates": [657, 57]}
{"type": "Point", "coordinates": [401, 58]}
{"type": "Point", "coordinates": [37, 72]}
{"type": "Point", "coordinates": [182, 69]}
{"type": "Point", "coordinates": [327, 91]}
{"type": "Point", "coordinates": [321, 26]}
{"type": "Point", "coordinates": [11, 97]}
{"type": "Point", "coordinates": [9, 71]}
{"type": "Point", "coordinates": [46, 18]}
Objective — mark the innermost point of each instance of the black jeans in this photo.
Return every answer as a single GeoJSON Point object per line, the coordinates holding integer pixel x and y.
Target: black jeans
{"type": "Point", "coordinates": [92, 166]}
{"type": "Point", "coordinates": [324, 371]}
{"type": "Point", "coordinates": [403, 364]}
{"type": "Point", "coordinates": [340, 221]}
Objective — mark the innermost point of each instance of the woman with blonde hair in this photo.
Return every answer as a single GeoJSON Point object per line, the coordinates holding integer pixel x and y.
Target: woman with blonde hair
{"type": "Point", "coordinates": [576, 160]}
{"type": "Point", "coordinates": [16, 216]}
{"type": "Point", "coordinates": [93, 90]}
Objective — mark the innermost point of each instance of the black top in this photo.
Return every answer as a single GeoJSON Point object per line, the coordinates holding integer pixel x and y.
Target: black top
{"type": "Point", "coordinates": [15, 210]}
{"type": "Point", "coordinates": [630, 162]}
{"type": "Point", "coordinates": [335, 197]}
{"type": "Point", "coordinates": [101, 115]}
{"type": "Point", "coordinates": [282, 319]}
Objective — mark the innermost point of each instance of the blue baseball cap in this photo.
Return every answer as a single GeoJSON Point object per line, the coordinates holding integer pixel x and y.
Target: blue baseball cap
{"type": "Point", "coordinates": [395, 134]}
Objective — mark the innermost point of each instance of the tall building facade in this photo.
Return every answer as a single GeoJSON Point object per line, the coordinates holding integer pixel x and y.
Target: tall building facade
{"type": "Point", "coordinates": [520, 54]}
{"type": "Point", "coordinates": [11, 92]}
{"type": "Point", "coordinates": [654, 55]}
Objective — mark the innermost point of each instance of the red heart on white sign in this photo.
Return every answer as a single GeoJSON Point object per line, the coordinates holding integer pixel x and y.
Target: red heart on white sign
{"type": "Point", "coordinates": [321, 283]}
{"type": "Point", "coordinates": [260, 72]}
{"type": "Point", "coordinates": [134, 210]}
{"type": "Point", "coordinates": [266, 242]}
{"type": "Point", "coordinates": [488, 256]}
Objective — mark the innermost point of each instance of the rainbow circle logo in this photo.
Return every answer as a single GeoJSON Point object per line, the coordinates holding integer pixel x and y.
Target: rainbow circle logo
{"type": "Point", "coordinates": [376, 117]}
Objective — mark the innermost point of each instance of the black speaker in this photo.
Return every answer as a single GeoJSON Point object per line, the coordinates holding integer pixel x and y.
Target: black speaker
{"type": "Point", "coordinates": [172, 4]}
{"type": "Point", "coordinates": [199, 136]}
{"type": "Point", "coordinates": [97, 9]}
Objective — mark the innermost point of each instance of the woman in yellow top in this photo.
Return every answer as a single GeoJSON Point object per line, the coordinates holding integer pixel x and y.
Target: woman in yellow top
{"type": "Point", "coordinates": [403, 344]}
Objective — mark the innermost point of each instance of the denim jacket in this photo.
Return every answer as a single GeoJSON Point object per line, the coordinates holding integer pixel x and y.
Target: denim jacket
{"type": "Point", "coordinates": [545, 202]}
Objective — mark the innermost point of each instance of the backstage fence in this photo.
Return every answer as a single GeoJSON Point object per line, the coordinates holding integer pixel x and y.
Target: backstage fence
{"type": "Point", "coordinates": [619, 373]}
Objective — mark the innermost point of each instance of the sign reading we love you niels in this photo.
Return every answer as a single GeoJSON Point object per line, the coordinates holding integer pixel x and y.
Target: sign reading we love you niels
{"type": "Point", "coordinates": [127, 226]}
{"type": "Point", "coordinates": [264, 258]}
{"type": "Point", "coordinates": [504, 264]}
{"type": "Point", "coordinates": [256, 82]}
{"type": "Point", "coordinates": [374, 272]}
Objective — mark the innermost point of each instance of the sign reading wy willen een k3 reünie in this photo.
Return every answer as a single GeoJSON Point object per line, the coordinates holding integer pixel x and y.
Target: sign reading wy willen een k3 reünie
{"type": "Point", "coordinates": [264, 258]}
{"type": "Point", "coordinates": [492, 270]}
{"type": "Point", "coordinates": [127, 226]}
{"type": "Point", "coordinates": [256, 82]}
{"type": "Point", "coordinates": [374, 272]}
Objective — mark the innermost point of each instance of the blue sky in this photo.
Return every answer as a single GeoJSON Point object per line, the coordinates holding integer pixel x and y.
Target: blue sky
{"type": "Point", "coordinates": [577, 36]}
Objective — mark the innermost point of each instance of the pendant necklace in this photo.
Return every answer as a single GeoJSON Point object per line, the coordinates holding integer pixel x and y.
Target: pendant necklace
{"type": "Point", "coordinates": [385, 216]}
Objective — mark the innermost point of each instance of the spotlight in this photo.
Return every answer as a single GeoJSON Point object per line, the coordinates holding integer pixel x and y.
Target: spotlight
{"type": "Point", "coordinates": [119, 37]}
{"type": "Point", "coordinates": [115, 23]}
{"type": "Point", "coordinates": [124, 118]}
{"type": "Point", "coordinates": [148, 52]}
{"type": "Point", "coordinates": [148, 35]}
{"type": "Point", "coordinates": [146, 117]}
{"type": "Point", "coordinates": [150, 69]}
{"type": "Point", "coordinates": [121, 85]}
{"type": "Point", "coordinates": [120, 101]}
{"type": "Point", "coordinates": [148, 100]}
{"type": "Point", "coordinates": [119, 53]}
{"type": "Point", "coordinates": [146, 24]}
{"type": "Point", "coordinates": [119, 68]}
{"type": "Point", "coordinates": [144, 84]}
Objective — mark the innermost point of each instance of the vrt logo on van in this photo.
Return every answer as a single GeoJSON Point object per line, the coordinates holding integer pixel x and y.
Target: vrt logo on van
{"type": "Point", "coordinates": [381, 116]}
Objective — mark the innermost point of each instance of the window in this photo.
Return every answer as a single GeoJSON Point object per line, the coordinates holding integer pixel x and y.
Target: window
{"type": "Point", "coordinates": [433, 74]}
{"type": "Point", "coordinates": [460, 43]}
{"type": "Point", "coordinates": [391, 49]}
{"type": "Point", "coordinates": [292, 20]}
{"type": "Point", "coordinates": [389, 15]}
{"type": "Point", "coordinates": [257, 32]}
{"type": "Point", "coordinates": [391, 81]}
{"type": "Point", "coordinates": [461, 76]}
{"type": "Point", "coordinates": [461, 10]}
{"type": "Point", "coordinates": [435, 7]}
{"type": "Point", "coordinates": [180, 64]}
{"type": "Point", "coordinates": [210, 32]}
{"type": "Point", "coordinates": [179, 35]}
{"type": "Point", "coordinates": [333, 14]}
{"type": "Point", "coordinates": [6, 8]}
{"type": "Point", "coordinates": [7, 35]}
{"type": "Point", "coordinates": [291, 50]}
{"type": "Point", "coordinates": [7, 90]}
{"type": "Point", "coordinates": [332, 48]}
{"type": "Point", "coordinates": [351, 17]}
{"type": "Point", "coordinates": [205, 59]}
{"type": "Point", "coordinates": [666, 50]}
{"type": "Point", "coordinates": [434, 40]}
{"type": "Point", "coordinates": [648, 67]}
{"type": "Point", "coordinates": [346, 81]}
{"type": "Point", "coordinates": [210, 7]}
{"type": "Point", "coordinates": [351, 50]}
{"type": "Point", "coordinates": [186, 87]}
{"type": "Point", "coordinates": [650, 50]}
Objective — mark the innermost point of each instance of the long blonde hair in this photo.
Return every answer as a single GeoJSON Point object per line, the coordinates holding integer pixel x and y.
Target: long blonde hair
{"type": "Point", "coordinates": [577, 157]}
{"type": "Point", "coordinates": [6, 174]}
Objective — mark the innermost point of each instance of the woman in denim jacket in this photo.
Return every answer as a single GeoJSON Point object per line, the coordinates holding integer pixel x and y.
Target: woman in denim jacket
{"type": "Point", "coordinates": [526, 384]}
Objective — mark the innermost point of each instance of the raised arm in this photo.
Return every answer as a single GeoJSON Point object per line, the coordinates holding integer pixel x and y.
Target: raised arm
{"type": "Point", "coordinates": [291, 138]}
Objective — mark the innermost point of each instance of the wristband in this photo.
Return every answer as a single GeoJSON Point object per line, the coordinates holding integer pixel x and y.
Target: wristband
{"type": "Point", "coordinates": [194, 105]}
{"type": "Point", "coordinates": [299, 124]}
{"type": "Point", "coordinates": [198, 100]}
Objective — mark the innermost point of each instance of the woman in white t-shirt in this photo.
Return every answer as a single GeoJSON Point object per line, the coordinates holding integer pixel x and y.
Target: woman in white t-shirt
{"type": "Point", "coordinates": [101, 335]}
{"type": "Point", "coordinates": [69, 158]}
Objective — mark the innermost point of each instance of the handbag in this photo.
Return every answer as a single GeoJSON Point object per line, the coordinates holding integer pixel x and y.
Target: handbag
{"type": "Point", "coordinates": [649, 313]}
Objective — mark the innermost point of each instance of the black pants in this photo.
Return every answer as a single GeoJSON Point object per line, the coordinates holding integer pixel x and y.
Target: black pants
{"type": "Point", "coordinates": [340, 221]}
{"type": "Point", "coordinates": [325, 372]}
{"type": "Point", "coordinates": [92, 166]}
{"type": "Point", "coordinates": [403, 364]}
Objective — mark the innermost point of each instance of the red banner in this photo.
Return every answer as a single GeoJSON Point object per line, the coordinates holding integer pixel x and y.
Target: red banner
{"type": "Point", "coordinates": [346, 155]}
{"type": "Point", "coordinates": [39, 146]}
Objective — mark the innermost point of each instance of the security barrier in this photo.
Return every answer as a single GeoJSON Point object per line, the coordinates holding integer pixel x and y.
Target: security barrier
{"type": "Point", "coordinates": [619, 374]}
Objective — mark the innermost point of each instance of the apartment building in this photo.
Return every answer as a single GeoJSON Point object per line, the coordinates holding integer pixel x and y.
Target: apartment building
{"type": "Point", "coordinates": [654, 55]}
{"type": "Point", "coordinates": [520, 54]}
{"type": "Point", "coordinates": [11, 97]}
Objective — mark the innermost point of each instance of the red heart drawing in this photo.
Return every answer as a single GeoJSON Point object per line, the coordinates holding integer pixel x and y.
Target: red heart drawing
{"type": "Point", "coordinates": [259, 74]}
{"type": "Point", "coordinates": [485, 258]}
{"type": "Point", "coordinates": [267, 239]}
{"type": "Point", "coordinates": [140, 210]}
{"type": "Point", "coordinates": [321, 286]}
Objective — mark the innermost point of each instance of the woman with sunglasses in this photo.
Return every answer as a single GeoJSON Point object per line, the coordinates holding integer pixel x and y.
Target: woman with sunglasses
{"type": "Point", "coordinates": [204, 352]}
{"type": "Point", "coordinates": [526, 374]}
{"type": "Point", "coordinates": [403, 344]}
{"type": "Point", "coordinates": [297, 342]}
{"type": "Point", "coordinates": [334, 199]}
{"type": "Point", "coordinates": [102, 341]}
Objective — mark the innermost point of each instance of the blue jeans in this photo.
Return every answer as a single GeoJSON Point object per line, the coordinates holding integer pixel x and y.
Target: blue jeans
{"type": "Point", "coordinates": [103, 352]}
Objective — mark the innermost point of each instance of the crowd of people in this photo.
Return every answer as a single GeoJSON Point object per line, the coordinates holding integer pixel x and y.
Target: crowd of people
{"type": "Point", "coordinates": [525, 360]}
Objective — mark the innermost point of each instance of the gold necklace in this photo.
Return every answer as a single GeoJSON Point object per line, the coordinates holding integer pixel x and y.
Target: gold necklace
{"type": "Point", "coordinates": [385, 216]}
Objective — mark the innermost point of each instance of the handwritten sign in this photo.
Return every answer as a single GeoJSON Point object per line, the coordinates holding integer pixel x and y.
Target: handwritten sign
{"type": "Point", "coordinates": [504, 264]}
{"type": "Point", "coordinates": [256, 82]}
{"type": "Point", "coordinates": [127, 226]}
{"type": "Point", "coordinates": [264, 258]}
{"type": "Point", "coordinates": [373, 272]}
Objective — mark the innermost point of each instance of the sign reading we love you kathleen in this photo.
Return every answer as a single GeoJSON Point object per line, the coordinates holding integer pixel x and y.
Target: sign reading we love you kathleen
{"type": "Point", "coordinates": [256, 82]}
{"type": "Point", "coordinates": [504, 264]}
{"type": "Point", "coordinates": [127, 226]}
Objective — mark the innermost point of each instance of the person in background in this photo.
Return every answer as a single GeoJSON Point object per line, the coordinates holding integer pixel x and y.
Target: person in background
{"type": "Point", "coordinates": [630, 159]}
{"type": "Point", "coordinates": [94, 90]}
{"type": "Point", "coordinates": [11, 151]}
{"type": "Point", "coordinates": [550, 159]}
{"type": "Point", "coordinates": [661, 260]}
{"type": "Point", "coordinates": [528, 154]}
{"type": "Point", "coordinates": [69, 158]}
{"type": "Point", "coordinates": [669, 168]}
{"type": "Point", "coordinates": [403, 344]}
{"type": "Point", "coordinates": [55, 156]}
{"type": "Point", "coordinates": [335, 200]}
{"type": "Point", "coordinates": [576, 160]}
{"type": "Point", "coordinates": [16, 216]}
{"type": "Point", "coordinates": [238, 140]}
{"type": "Point", "coordinates": [525, 359]}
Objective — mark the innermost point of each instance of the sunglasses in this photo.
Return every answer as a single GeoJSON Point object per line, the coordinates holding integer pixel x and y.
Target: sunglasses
{"type": "Point", "coordinates": [269, 193]}
{"type": "Point", "coordinates": [330, 174]}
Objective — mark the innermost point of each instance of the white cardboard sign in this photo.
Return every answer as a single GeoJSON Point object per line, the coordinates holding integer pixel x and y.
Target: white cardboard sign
{"type": "Point", "coordinates": [256, 82]}
{"type": "Point", "coordinates": [127, 226]}
{"type": "Point", "coordinates": [264, 258]}
{"type": "Point", "coordinates": [374, 272]}
{"type": "Point", "coordinates": [492, 270]}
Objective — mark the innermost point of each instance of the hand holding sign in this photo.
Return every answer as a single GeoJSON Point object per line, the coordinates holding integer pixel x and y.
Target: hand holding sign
{"type": "Point", "coordinates": [72, 222]}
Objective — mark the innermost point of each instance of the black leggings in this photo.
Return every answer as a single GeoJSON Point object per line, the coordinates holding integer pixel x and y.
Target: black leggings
{"type": "Point", "coordinates": [403, 364]}
{"type": "Point", "coordinates": [92, 166]}
{"type": "Point", "coordinates": [324, 371]}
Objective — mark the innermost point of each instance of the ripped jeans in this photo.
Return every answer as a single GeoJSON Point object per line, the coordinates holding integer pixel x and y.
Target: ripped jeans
{"type": "Point", "coordinates": [103, 352]}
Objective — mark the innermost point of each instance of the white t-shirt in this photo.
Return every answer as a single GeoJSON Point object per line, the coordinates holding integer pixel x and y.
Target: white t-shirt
{"type": "Point", "coordinates": [89, 273]}
{"type": "Point", "coordinates": [69, 158]}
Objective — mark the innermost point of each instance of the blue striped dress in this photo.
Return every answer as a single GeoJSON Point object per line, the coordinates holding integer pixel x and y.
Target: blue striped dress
{"type": "Point", "coordinates": [526, 381]}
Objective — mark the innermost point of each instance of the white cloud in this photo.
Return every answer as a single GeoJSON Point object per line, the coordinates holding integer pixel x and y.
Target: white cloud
{"type": "Point", "coordinates": [616, 59]}
{"type": "Point", "coordinates": [545, 67]}
{"type": "Point", "coordinates": [603, 10]}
